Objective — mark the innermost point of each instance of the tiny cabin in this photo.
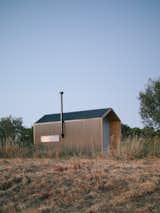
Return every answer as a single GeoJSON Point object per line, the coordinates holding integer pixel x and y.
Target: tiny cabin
{"type": "Point", "coordinates": [99, 129]}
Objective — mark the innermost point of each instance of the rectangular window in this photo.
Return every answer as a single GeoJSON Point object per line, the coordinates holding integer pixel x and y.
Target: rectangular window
{"type": "Point", "coordinates": [50, 138]}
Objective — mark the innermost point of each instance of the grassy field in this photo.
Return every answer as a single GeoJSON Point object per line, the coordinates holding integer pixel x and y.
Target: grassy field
{"type": "Point", "coordinates": [98, 184]}
{"type": "Point", "coordinates": [130, 148]}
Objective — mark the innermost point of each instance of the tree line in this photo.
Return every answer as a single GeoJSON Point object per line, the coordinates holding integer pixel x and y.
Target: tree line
{"type": "Point", "coordinates": [12, 129]}
{"type": "Point", "coordinates": [149, 112]}
{"type": "Point", "coordinates": [146, 132]}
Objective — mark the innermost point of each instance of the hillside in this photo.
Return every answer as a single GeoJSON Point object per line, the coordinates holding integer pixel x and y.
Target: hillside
{"type": "Point", "coordinates": [79, 185]}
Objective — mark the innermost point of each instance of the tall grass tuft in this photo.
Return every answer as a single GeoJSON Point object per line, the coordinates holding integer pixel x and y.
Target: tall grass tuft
{"type": "Point", "coordinates": [130, 148]}
{"type": "Point", "coordinates": [13, 150]}
{"type": "Point", "coordinates": [140, 147]}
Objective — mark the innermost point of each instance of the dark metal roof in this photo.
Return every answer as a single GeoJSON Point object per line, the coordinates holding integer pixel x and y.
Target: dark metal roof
{"type": "Point", "coordinates": [74, 115]}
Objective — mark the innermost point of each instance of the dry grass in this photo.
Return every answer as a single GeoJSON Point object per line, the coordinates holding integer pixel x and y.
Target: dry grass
{"type": "Point", "coordinates": [79, 185]}
{"type": "Point", "coordinates": [10, 149]}
{"type": "Point", "coordinates": [137, 148]}
{"type": "Point", "coordinates": [86, 181]}
{"type": "Point", "coordinates": [131, 148]}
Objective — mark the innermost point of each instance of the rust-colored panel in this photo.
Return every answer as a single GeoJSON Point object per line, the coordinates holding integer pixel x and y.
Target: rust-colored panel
{"type": "Point", "coordinates": [115, 134]}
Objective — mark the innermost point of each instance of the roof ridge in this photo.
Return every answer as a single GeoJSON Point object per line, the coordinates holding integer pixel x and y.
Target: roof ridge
{"type": "Point", "coordinates": [76, 115]}
{"type": "Point", "coordinates": [57, 113]}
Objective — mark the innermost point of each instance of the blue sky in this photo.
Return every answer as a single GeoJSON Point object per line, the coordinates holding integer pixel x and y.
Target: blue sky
{"type": "Point", "coordinates": [100, 52]}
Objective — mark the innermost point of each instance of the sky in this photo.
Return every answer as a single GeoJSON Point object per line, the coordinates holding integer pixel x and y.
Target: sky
{"type": "Point", "coordinates": [101, 53]}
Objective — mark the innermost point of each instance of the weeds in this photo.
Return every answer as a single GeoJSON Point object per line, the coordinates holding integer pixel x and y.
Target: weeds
{"type": "Point", "coordinates": [11, 150]}
{"type": "Point", "coordinates": [139, 148]}
{"type": "Point", "coordinates": [79, 185]}
{"type": "Point", "coordinates": [130, 148]}
{"type": "Point", "coordinates": [86, 181]}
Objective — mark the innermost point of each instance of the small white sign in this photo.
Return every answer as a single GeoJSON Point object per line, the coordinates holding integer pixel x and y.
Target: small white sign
{"type": "Point", "coordinates": [50, 138]}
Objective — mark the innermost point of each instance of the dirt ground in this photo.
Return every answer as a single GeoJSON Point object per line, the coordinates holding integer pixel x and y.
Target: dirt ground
{"type": "Point", "coordinates": [79, 185]}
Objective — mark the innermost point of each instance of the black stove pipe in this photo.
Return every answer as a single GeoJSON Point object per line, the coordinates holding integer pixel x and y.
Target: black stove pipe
{"type": "Point", "coordinates": [61, 115]}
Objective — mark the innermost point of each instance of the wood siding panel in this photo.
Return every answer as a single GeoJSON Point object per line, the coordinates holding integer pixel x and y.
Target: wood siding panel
{"type": "Point", "coordinates": [86, 133]}
{"type": "Point", "coordinates": [115, 134]}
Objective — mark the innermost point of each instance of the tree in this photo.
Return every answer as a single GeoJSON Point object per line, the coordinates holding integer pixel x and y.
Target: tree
{"type": "Point", "coordinates": [2, 136]}
{"type": "Point", "coordinates": [136, 132]}
{"type": "Point", "coordinates": [12, 130]}
{"type": "Point", "coordinates": [126, 131]}
{"type": "Point", "coordinates": [149, 132]}
{"type": "Point", "coordinates": [150, 104]}
{"type": "Point", "coordinates": [27, 136]}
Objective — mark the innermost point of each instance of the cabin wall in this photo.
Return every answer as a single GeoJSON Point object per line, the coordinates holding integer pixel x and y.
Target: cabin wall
{"type": "Point", "coordinates": [81, 134]}
{"type": "Point", "coordinates": [115, 134]}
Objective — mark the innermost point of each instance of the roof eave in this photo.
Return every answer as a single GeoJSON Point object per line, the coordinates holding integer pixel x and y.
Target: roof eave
{"type": "Point", "coordinates": [107, 113]}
